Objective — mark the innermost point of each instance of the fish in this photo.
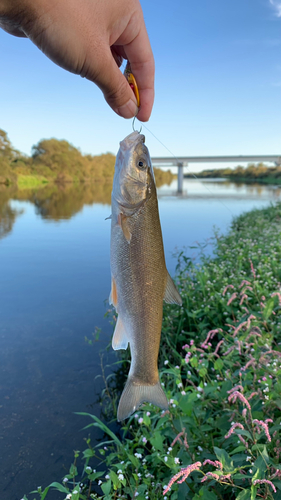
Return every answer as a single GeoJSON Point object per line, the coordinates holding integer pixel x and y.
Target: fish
{"type": "Point", "coordinates": [139, 277]}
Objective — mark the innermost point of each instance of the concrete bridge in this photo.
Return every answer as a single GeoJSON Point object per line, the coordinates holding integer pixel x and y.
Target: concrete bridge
{"type": "Point", "coordinates": [183, 161]}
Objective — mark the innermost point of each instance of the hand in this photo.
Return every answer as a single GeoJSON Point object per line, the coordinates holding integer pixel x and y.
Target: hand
{"type": "Point", "coordinates": [91, 38]}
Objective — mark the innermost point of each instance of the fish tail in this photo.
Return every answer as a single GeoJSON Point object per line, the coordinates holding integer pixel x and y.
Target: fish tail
{"type": "Point", "coordinates": [134, 395]}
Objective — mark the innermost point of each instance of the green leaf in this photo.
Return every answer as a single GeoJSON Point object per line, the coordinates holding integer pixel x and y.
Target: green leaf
{"type": "Point", "coordinates": [237, 450]}
{"type": "Point", "coordinates": [102, 426]}
{"type": "Point", "coordinates": [106, 487]}
{"type": "Point", "coordinates": [114, 479]}
{"type": "Point", "coordinates": [218, 365]}
{"type": "Point", "coordinates": [244, 495]}
{"type": "Point", "coordinates": [225, 459]}
{"type": "Point", "coordinates": [268, 309]}
{"type": "Point", "coordinates": [157, 441]}
{"type": "Point", "coordinates": [59, 487]}
{"type": "Point", "coordinates": [186, 403]}
{"type": "Point", "coordinates": [253, 492]}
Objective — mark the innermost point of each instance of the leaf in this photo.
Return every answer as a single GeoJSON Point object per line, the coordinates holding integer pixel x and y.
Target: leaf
{"type": "Point", "coordinates": [268, 309]}
{"type": "Point", "coordinates": [225, 459]}
{"type": "Point", "coordinates": [157, 441]}
{"type": "Point", "coordinates": [253, 492]}
{"type": "Point", "coordinates": [186, 403]}
{"type": "Point", "coordinates": [244, 495]}
{"type": "Point", "coordinates": [102, 426]}
{"type": "Point", "coordinates": [106, 487]}
{"type": "Point", "coordinates": [237, 450]}
{"type": "Point", "coordinates": [218, 365]}
{"type": "Point", "coordinates": [59, 487]}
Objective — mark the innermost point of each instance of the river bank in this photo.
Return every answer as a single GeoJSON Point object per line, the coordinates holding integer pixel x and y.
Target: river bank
{"type": "Point", "coordinates": [220, 365]}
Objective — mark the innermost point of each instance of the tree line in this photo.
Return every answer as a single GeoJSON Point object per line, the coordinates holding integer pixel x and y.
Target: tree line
{"type": "Point", "coordinates": [251, 172]}
{"type": "Point", "coordinates": [54, 160]}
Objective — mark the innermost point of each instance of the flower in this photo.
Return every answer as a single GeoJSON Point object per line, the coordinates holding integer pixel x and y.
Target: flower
{"type": "Point", "coordinates": [233, 427]}
{"type": "Point", "coordinates": [138, 455]}
{"type": "Point", "coordinates": [166, 459]}
{"type": "Point", "coordinates": [185, 472]}
{"type": "Point", "coordinates": [140, 420]}
{"type": "Point", "coordinates": [166, 362]}
{"type": "Point", "coordinates": [177, 460]}
{"type": "Point", "coordinates": [144, 440]}
{"type": "Point", "coordinates": [120, 477]}
{"type": "Point", "coordinates": [65, 478]}
{"type": "Point", "coordinates": [265, 481]}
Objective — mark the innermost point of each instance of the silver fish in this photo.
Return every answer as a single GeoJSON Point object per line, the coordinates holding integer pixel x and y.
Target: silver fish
{"type": "Point", "coordinates": [140, 280]}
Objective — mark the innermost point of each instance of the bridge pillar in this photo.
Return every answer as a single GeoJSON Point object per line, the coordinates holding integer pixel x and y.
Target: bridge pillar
{"type": "Point", "coordinates": [180, 177]}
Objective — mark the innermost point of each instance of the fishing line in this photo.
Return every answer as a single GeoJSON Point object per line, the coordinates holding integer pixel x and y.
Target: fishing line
{"type": "Point", "coordinates": [193, 175]}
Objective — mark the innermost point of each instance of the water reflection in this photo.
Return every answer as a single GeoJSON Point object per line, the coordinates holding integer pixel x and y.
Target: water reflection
{"type": "Point", "coordinates": [63, 201]}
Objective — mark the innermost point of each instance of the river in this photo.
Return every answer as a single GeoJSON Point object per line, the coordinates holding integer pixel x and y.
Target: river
{"type": "Point", "coordinates": [55, 280]}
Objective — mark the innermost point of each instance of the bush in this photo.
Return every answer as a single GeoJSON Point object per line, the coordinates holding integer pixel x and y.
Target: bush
{"type": "Point", "coordinates": [220, 366]}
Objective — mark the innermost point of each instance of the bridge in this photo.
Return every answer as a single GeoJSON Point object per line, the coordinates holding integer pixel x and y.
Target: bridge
{"type": "Point", "coordinates": [183, 161]}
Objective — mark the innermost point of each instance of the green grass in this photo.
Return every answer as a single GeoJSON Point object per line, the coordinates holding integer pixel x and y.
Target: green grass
{"type": "Point", "coordinates": [220, 364]}
{"type": "Point", "coordinates": [31, 181]}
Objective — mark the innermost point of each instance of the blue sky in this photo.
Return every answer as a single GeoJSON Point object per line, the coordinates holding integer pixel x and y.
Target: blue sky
{"type": "Point", "coordinates": [218, 85]}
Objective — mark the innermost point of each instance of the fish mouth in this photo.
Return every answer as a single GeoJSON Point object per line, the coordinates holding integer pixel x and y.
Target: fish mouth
{"type": "Point", "coordinates": [131, 140]}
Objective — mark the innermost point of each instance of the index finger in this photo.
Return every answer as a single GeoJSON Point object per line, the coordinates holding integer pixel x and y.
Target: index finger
{"type": "Point", "coordinates": [140, 56]}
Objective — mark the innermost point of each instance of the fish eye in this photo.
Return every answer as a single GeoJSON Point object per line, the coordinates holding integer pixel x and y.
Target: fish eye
{"type": "Point", "coordinates": [142, 164]}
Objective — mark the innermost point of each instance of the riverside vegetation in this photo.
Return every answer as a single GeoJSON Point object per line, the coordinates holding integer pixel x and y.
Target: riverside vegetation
{"type": "Point", "coordinates": [220, 364]}
{"type": "Point", "coordinates": [57, 161]}
{"type": "Point", "coordinates": [258, 173]}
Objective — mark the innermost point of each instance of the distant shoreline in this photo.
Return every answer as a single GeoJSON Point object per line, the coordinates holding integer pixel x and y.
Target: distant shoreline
{"type": "Point", "coordinates": [247, 180]}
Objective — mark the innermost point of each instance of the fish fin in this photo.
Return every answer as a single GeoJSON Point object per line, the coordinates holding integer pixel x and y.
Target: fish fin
{"type": "Point", "coordinates": [110, 217]}
{"type": "Point", "coordinates": [119, 339]}
{"type": "Point", "coordinates": [113, 294]}
{"type": "Point", "coordinates": [171, 295]}
{"type": "Point", "coordinates": [122, 221]}
{"type": "Point", "coordinates": [134, 395]}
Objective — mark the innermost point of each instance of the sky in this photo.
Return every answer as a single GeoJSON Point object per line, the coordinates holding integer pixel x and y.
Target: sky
{"type": "Point", "coordinates": [217, 92]}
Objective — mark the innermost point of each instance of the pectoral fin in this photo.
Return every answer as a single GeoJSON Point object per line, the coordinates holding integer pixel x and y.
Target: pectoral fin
{"type": "Point", "coordinates": [120, 339]}
{"type": "Point", "coordinates": [123, 223]}
{"type": "Point", "coordinates": [172, 296]}
{"type": "Point", "coordinates": [113, 294]}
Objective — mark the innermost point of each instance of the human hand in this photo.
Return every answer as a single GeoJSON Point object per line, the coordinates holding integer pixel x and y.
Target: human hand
{"type": "Point", "coordinates": [91, 38]}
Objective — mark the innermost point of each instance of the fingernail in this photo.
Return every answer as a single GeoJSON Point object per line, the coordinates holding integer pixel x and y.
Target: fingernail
{"type": "Point", "coordinates": [128, 110]}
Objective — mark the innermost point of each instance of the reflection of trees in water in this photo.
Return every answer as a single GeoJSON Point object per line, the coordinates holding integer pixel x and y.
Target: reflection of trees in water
{"type": "Point", "coordinates": [56, 201]}
{"type": "Point", "coordinates": [62, 201]}
{"type": "Point", "coordinates": [7, 213]}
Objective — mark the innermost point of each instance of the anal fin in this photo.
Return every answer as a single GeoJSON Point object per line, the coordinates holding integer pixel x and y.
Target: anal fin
{"type": "Point", "coordinates": [171, 295]}
{"type": "Point", "coordinates": [119, 339]}
{"type": "Point", "coordinates": [113, 294]}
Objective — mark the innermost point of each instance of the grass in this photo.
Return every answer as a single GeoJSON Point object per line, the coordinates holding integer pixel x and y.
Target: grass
{"type": "Point", "coordinates": [220, 366]}
{"type": "Point", "coordinates": [31, 181]}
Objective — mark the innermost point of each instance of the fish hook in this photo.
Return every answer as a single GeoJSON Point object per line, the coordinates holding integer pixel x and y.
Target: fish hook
{"type": "Point", "coordinates": [133, 125]}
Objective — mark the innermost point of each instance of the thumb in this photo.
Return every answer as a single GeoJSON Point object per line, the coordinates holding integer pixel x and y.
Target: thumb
{"type": "Point", "coordinates": [116, 90]}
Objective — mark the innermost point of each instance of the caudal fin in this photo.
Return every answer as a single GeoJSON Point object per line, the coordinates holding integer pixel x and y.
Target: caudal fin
{"type": "Point", "coordinates": [134, 395]}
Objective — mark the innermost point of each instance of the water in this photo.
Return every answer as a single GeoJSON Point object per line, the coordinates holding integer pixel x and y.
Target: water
{"type": "Point", "coordinates": [55, 278]}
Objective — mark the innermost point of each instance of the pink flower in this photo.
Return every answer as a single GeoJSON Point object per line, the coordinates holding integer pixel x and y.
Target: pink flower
{"type": "Point", "coordinates": [233, 296]}
{"type": "Point", "coordinates": [265, 481]}
{"type": "Point", "coordinates": [252, 395]}
{"type": "Point", "coordinates": [226, 288]}
{"type": "Point", "coordinates": [178, 437]}
{"type": "Point", "coordinates": [218, 346]}
{"type": "Point", "coordinates": [244, 413]}
{"type": "Point", "coordinates": [249, 363]}
{"type": "Point", "coordinates": [245, 296]}
{"type": "Point", "coordinates": [244, 282]}
{"type": "Point", "coordinates": [242, 398]}
{"type": "Point", "coordinates": [208, 475]}
{"type": "Point", "coordinates": [252, 269]}
{"type": "Point", "coordinates": [184, 473]}
{"type": "Point", "coordinates": [232, 429]}
{"type": "Point", "coordinates": [236, 388]}
{"type": "Point", "coordinates": [215, 463]}
{"type": "Point", "coordinates": [264, 426]}
{"type": "Point", "coordinates": [210, 335]}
